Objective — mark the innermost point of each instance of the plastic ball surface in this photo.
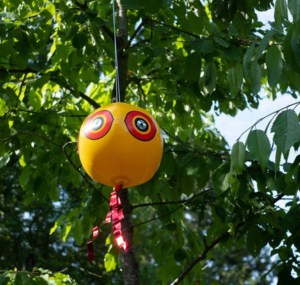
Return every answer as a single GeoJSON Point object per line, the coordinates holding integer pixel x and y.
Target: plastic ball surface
{"type": "Point", "coordinates": [120, 144]}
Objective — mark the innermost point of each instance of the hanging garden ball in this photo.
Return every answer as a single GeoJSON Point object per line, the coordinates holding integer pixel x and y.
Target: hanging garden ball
{"type": "Point", "coordinates": [120, 144]}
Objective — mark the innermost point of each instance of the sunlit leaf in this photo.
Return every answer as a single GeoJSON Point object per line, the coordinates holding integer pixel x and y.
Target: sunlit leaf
{"type": "Point", "coordinates": [66, 232]}
{"type": "Point", "coordinates": [2, 107]}
{"type": "Point", "coordinates": [110, 262]}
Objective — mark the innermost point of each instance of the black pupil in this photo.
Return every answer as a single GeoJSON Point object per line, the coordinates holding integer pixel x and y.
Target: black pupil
{"type": "Point", "coordinates": [141, 124]}
{"type": "Point", "coordinates": [97, 124]}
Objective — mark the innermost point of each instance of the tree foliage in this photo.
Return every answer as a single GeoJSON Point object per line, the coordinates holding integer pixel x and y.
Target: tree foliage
{"type": "Point", "coordinates": [210, 211]}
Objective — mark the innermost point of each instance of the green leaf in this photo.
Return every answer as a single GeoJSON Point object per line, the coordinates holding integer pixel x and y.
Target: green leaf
{"type": "Point", "coordinates": [237, 158]}
{"type": "Point", "coordinates": [294, 42]}
{"type": "Point", "coordinates": [2, 107]}
{"type": "Point", "coordinates": [180, 255]}
{"type": "Point", "coordinates": [4, 159]}
{"type": "Point", "coordinates": [22, 161]}
{"type": "Point", "coordinates": [281, 12]}
{"type": "Point", "coordinates": [54, 228]}
{"type": "Point", "coordinates": [208, 81]}
{"type": "Point", "coordinates": [192, 66]}
{"type": "Point", "coordinates": [277, 160]}
{"type": "Point", "coordinates": [264, 44]}
{"type": "Point", "coordinates": [294, 167]}
{"type": "Point", "coordinates": [222, 42]}
{"type": "Point", "coordinates": [248, 58]}
{"type": "Point", "coordinates": [252, 69]}
{"type": "Point", "coordinates": [110, 262]}
{"type": "Point", "coordinates": [66, 232]}
{"type": "Point", "coordinates": [274, 65]}
{"type": "Point", "coordinates": [286, 130]}
{"type": "Point", "coordinates": [63, 279]}
{"type": "Point", "coordinates": [149, 6]}
{"type": "Point", "coordinates": [206, 46]}
{"type": "Point", "coordinates": [6, 48]}
{"type": "Point", "coordinates": [255, 77]}
{"type": "Point", "coordinates": [235, 79]}
{"type": "Point", "coordinates": [294, 7]}
{"type": "Point", "coordinates": [4, 279]}
{"type": "Point", "coordinates": [35, 99]}
{"type": "Point", "coordinates": [259, 146]}
{"type": "Point", "coordinates": [256, 240]}
{"type": "Point", "coordinates": [22, 278]}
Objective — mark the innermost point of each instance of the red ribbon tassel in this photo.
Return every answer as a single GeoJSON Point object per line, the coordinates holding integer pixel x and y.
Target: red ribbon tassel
{"type": "Point", "coordinates": [90, 249]}
{"type": "Point", "coordinates": [89, 244]}
{"type": "Point", "coordinates": [114, 216]}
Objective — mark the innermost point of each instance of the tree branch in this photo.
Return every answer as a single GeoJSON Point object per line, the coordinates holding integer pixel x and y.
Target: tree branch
{"type": "Point", "coordinates": [201, 257]}
{"type": "Point", "coordinates": [137, 30]}
{"type": "Point", "coordinates": [271, 114]}
{"type": "Point", "coordinates": [159, 217]}
{"type": "Point", "coordinates": [65, 85]}
{"type": "Point", "coordinates": [221, 155]}
{"type": "Point", "coordinates": [121, 53]}
{"type": "Point", "coordinates": [214, 243]}
{"type": "Point", "coordinates": [183, 201]}
{"type": "Point", "coordinates": [52, 78]}
{"type": "Point", "coordinates": [149, 20]}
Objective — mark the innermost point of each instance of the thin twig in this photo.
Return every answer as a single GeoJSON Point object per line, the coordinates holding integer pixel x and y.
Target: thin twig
{"type": "Point", "coordinates": [49, 113]}
{"type": "Point", "coordinates": [173, 28]}
{"type": "Point", "coordinates": [3, 140]}
{"type": "Point", "coordinates": [68, 87]}
{"type": "Point", "coordinates": [214, 243]}
{"type": "Point", "coordinates": [86, 179]}
{"type": "Point", "coordinates": [220, 155]}
{"type": "Point", "coordinates": [159, 217]}
{"type": "Point", "coordinates": [201, 257]}
{"type": "Point", "coordinates": [183, 201]}
{"type": "Point", "coordinates": [22, 84]}
{"type": "Point", "coordinates": [90, 273]}
{"type": "Point", "coordinates": [263, 118]}
{"type": "Point", "coordinates": [137, 30]}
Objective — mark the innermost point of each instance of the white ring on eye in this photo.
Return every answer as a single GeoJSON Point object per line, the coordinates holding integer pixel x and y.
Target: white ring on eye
{"type": "Point", "coordinates": [97, 124]}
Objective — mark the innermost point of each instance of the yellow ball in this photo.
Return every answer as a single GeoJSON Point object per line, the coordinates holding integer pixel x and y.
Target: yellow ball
{"type": "Point", "coordinates": [120, 144]}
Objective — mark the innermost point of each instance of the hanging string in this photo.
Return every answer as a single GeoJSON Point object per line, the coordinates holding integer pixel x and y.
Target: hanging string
{"type": "Point", "coordinates": [117, 84]}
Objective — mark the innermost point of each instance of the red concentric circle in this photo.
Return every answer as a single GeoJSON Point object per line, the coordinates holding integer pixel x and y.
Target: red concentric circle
{"type": "Point", "coordinates": [98, 125]}
{"type": "Point", "coordinates": [140, 125]}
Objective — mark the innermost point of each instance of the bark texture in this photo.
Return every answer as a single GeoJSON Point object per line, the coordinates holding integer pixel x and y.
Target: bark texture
{"type": "Point", "coordinates": [122, 39]}
{"type": "Point", "coordinates": [130, 268]}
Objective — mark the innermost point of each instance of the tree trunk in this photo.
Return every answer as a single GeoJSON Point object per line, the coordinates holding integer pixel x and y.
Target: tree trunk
{"type": "Point", "coordinates": [122, 39]}
{"type": "Point", "coordinates": [130, 268]}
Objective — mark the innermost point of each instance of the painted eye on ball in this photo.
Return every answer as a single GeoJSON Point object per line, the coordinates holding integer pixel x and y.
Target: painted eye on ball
{"type": "Point", "coordinates": [98, 125]}
{"type": "Point", "coordinates": [140, 126]}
